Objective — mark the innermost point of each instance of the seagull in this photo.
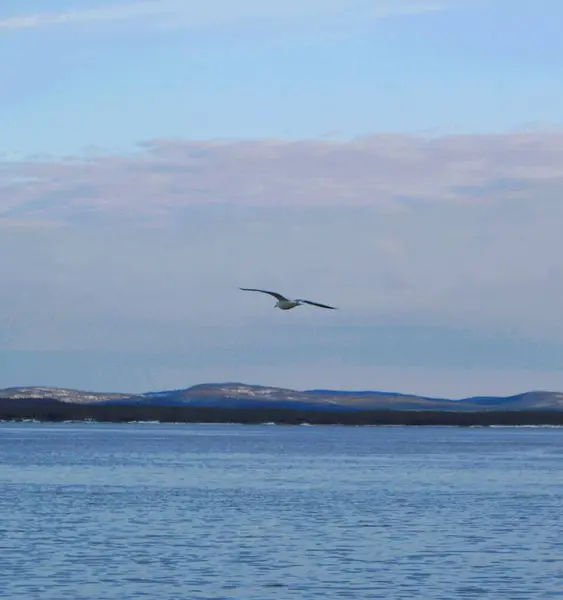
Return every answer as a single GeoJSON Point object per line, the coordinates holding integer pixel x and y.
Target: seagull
{"type": "Point", "coordinates": [284, 303]}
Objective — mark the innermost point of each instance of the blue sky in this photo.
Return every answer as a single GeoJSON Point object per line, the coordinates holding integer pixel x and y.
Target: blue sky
{"type": "Point", "coordinates": [308, 71]}
{"type": "Point", "coordinates": [398, 158]}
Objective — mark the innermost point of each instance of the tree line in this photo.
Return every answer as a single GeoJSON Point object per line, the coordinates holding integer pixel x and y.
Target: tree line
{"type": "Point", "coordinates": [55, 411]}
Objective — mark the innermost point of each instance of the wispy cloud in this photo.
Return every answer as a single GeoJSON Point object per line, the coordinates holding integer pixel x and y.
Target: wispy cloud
{"type": "Point", "coordinates": [115, 12]}
{"type": "Point", "coordinates": [224, 12]}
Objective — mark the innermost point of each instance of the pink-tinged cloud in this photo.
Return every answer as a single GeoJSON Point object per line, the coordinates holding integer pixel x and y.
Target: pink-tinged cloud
{"type": "Point", "coordinates": [167, 176]}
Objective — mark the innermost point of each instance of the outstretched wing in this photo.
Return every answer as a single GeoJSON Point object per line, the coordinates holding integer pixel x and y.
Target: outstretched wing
{"type": "Point", "coordinates": [274, 294]}
{"type": "Point", "coordinates": [317, 304]}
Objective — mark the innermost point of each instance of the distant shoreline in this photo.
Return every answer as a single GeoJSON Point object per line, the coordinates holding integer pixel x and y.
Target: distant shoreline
{"type": "Point", "coordinates": [45, 410]}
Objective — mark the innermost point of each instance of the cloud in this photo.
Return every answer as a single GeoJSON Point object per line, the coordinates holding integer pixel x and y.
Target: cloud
{"type": "Point", "coordinates": [192, 15]}
{"type": "Point", "coordinates": [440, 252]}
{"type": "Point", "coordinates": [389, 172]}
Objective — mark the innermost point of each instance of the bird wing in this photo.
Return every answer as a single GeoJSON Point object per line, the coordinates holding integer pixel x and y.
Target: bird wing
{"type": "Point", "coordinates": [317, 304]}
{"type": "Point", "coordinates": [274, 294]}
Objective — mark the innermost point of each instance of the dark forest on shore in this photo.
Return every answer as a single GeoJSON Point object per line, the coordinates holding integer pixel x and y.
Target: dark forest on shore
{"type": "Point", "coordinates": [54, 411]}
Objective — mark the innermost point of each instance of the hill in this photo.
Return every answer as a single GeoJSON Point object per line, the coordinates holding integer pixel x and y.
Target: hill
{"type": "Point", "coordinates": [239, 395]}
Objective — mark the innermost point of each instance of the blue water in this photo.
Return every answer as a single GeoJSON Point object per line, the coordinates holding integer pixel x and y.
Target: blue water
{"type": "Point", "coordinates": [168, 512]}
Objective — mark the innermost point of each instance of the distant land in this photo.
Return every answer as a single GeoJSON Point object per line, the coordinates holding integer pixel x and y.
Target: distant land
{"type": "Point", "coordinates": [240, 395]}
{"type": "Point", "coordinates": [244, 403]}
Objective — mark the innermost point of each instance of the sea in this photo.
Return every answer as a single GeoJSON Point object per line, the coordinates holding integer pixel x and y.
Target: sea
{"type": "Point", "coordinates": [153, 511]}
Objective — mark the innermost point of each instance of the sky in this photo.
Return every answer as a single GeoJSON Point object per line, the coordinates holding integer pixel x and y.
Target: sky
{"type": "Point", "coordinates": [400, 159]}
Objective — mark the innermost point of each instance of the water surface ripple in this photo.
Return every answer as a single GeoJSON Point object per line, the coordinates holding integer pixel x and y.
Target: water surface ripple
{"type": "Point", "coordinates": [220, 512]}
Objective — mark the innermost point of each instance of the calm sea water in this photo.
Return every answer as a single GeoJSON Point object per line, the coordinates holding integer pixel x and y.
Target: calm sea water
{"type": "Point", "coordinates": [167, 512]}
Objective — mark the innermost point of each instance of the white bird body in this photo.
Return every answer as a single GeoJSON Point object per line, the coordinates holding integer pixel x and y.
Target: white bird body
{"type": "Point", "coordinates": [287, 304]}
{"type": "Point", "coordinates": [284, 303]}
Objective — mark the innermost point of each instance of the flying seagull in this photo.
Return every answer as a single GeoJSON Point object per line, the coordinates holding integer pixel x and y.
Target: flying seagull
{"type": "Point", "coordinates": [284, 303]}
